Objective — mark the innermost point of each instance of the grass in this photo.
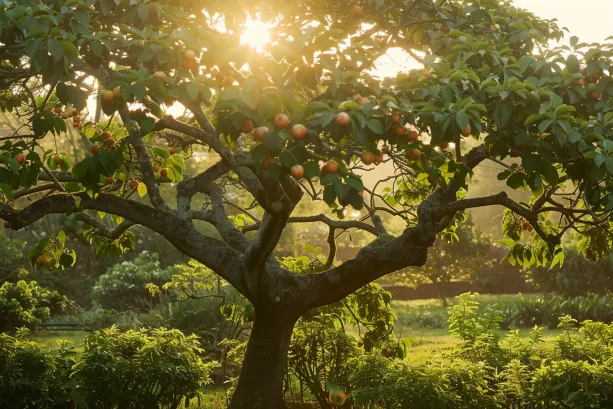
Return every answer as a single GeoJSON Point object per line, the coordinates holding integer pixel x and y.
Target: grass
{"type": "Point", "coordinates": [48, 339]}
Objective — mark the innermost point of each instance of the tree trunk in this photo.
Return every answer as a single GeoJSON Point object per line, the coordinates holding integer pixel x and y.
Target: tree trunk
{"type": "Point", "coordinates": [260, 384]}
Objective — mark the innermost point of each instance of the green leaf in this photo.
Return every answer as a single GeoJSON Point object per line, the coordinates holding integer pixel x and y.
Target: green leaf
{"type": "Point", "coordinates": [192, 91]}
{"type": "Point", "coordinates": [311, 169]}
{"type": "Point", "coordinates": [318, 106]}
{"type": "Point", "coordinates": [543, 126]}
{"type": "Point", "coordinates": [355, 183]}
{"type": "Point", "coordinates": [329, 194]}
{"type": "Point", "coordinates": [375, 125]}
{"type": "Point", "coordinates": [287, 159]}
{"type": "Point", "coordinates": [329, 179]}
{"type": "Point", "coordinates": [66, 260]}
{"type": "Point", "coordinates": [70, 50]}
{"type": "Point", "coordinates": [6, 189]}
{"type": "Point", "coordinates": [139, 91]}
{"type": "Point", "coordinates": [461, 119]}
{"type": "Point", "coordinates": [55, 49]}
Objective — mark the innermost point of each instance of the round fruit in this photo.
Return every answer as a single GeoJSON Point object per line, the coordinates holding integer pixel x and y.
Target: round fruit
{"type": "Point", "coordinates": [57, 110]}
{"type": "Point", "coordinates": [337, 399]}
{"type": "Point", "coordinates": [267, 162]}
{"type": "Point", "coordinates": [259, 133]}
{"type": "Point", "coordinates": [368, 158]}
{"type": "Point", "coordinates": [596, 96]}
{"type": "Point", "coordinates": [76, 118]}
{"type": "Point", "coordinates": [413, 154]}
{"type": "Point", "coordinates": [171, 150]}
{"type": "Point", "coordinates": [57, 160]}
{"type": "Point", "coordinates": [427, 74]}
{"type": "Point", "coordinates": [105, 135]}
{"type": "Point", "coordinates": [107, 95]}
{"type": "Point", "coordinates": [133, 184]}
{"type": "Point", "coordinates": [356, 97]}
{"type": "Point", "coordinates": [342, 119]}
{"type": "Point", "coordinates": [109, 180]}
{"type": "Point", "coordinates": [363, 101]}
{"type": "Point", "coordinates": [160, 75]}
{"type": "Point", "coordinates": [379, 157]}
{"type": "Point", "coordinates": [299, 131]}
{"type": "Point", "coordinates": [297, 172]}
{"type": "Point", "coordinates": [189, 55]}
{"type": "Point", "coordinates": [467, 130]}
{"type": "Point", "coordinates": [527, 226]}
{"type": "Point", "coordinates": [95, 149]}
{"type": "Point", "coordinates": [331, 166]}
{"type": "Point", "coordinates": [76, 124]}
{"type": "Point", "coordinates": [247, 126]}
{"type": "Point", "coordinates": [189, 64]}
{"type": "Point", "coordinates": [20, 158]}
{"type": "Point", "coordinates": [395, 118]}
{"type": "Point", "coordinates": [157, 168]}
{"type": "Point", "coordinates": [109, 141]}
{"type": "Point", "coordinates": [341, 213]}
{"type": "Point", "coordinates": [356, 10]}
{"type": "Point", "coordinates": [399, 130]}
{"type": "Point", "coordinates": [64, 115]}
{"type": "Point", "coordinates": [281, 121]}
{"type": "Point", "coordinates": [169, 101]}
{"type": "Point", "coordinates": [445, 145]}
{"type": "Point", "coordinates": [116, 93]}
{"type": "Point", "coordinates": [42, 260]}
{"type": "Point", "coordinates": [495, 27]}
{"type": "Point", "coordinates": [413, 135]}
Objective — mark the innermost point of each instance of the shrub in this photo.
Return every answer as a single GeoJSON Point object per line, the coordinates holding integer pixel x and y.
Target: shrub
{"type": "Point", "coordinates": [124, 285]}
{"type": "Point", "coordinates": [140, 369]}
{"type": "Point", "coordinates": [25, 304]}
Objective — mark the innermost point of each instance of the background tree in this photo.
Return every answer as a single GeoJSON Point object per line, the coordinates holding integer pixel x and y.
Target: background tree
{"type": "Point", "coordinates": [302, 120]}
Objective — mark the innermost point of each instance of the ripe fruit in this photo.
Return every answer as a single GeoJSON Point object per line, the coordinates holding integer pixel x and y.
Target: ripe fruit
{"type": "Point", "coordinates": [20, 158]}
{"type": "Point", "coordinates": [467, 130]}
{"type": "Point", "coordinates": [427, 74]}
{"type": "Point", "coordinates": [259, 133]}
{"type": "Point", "coordinates": [57, 110]}
{"type": "Point", "coordinates": [299, 131]}
{"type": "Point", "coordinates": [116, 93]}
{"type": "Point", "coordinates": [107, 95]}
{"type": "Point", "coordinates": [64, 115]}
{"type": "Point", "coordinates": [363, 101]}
{"type": "Point", "coordinates": [356, 97]}
{"type": "Point", "coordinates": [341, 213]}
{"type": "Point", "coordinates": [95, 149]}
{"type": "Point", "coordinates": [395, 118]}
{"type": "Point", "coordinates": [133, 184]}
{"type": "Point", "coordinates": [171, 150]}
{"type": "Point", "coordinates": [105, 135]}
{"type": "Point", "coordinates": [189, 55]}
{"type": "Point", "coordinates": [342, 119]}
{"type": "Point", "coordinates": [42, 259]}
{"type": "Point", "coordinates": [399, 130]}
{"type": "Point", "coordinates": [76, 124]}
{"type": "Point", "coordinates": [368, 158]}
{"type": "Point", "coordinates": [337, 399]}
{"type": "Point", "coordinates": [356, 10]}
{"type": "Point", "coordinates": [444, 145]}
{"type": "Point", "coordinates": [76, 118]}
{"type": "Point", "coordinates": [189, 64]}
{"type": "Point", "coordinates": [379, 157]}
{"type": "Point", "coordinates": [413, 154]}
{"type": "Point", "coordinates": [495, 28]}
{"type": "Point", "coordinates": [297, 172]}
{"type": "Point", "coordinates": [247, 126]}
{"type": "Point", "coordinates": [57, 160]}
{"type": "Point", "coordinates": [160, 75]}
{"type": "Point", "coordinates": [157, 168]}
{"type": "Point", "coordinates": [281, 121]}
{"type": "Point", "coordinates": [170, 101]}
{"type": "Point", "coordinates": [413, 135]}
{"type": "Point", "coordinates": [596, 96]}
{"type": "Point", "coordinates": [526, 226]}
{"type": "Point", "coordinates": [267, 162]}
{"type": "Point", "coordinates": [331, 166]}
{"type": "Point", "coordinates": [110, 141]}
{"type": "Point", "coordinates": [109, 180]}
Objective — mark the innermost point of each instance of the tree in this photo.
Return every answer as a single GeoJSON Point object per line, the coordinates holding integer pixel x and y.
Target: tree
{"type": "Point", "coordinates": [541, 114]}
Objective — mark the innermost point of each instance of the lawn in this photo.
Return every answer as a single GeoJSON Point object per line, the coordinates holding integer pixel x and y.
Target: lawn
{"type": "Point", "coordinates": [48, 339]}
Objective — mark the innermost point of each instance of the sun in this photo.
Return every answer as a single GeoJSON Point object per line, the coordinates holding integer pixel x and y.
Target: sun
{"type": "Point", "coordinates": [256, 33]}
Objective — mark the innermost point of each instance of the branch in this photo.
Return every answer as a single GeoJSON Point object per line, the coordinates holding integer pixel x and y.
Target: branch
{"type": "Point", "coordinates": [102, 230]}
{"type": "Point", "coordinates": [332, 252]}
{"type": "Point", "coordinates": [335, 224]}
{"type": "Point", "coordinates": [220, 220]}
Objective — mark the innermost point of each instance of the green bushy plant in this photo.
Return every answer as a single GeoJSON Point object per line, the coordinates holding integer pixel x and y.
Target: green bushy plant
{"type": "Point", "coordinates": [25, 304]}
{"type": "Point", "coordinates": [124, 285]}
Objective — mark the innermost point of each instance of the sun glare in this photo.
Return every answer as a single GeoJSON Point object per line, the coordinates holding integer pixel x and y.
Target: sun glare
{"type": "Point", "coordinates": [256, 34]}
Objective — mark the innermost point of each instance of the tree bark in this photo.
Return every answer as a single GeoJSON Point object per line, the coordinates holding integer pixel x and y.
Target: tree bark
{"type": "Point", "coordinates": [260, 385]}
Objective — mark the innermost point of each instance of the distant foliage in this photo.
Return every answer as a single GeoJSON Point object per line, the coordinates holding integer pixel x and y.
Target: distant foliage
{"type": "Point", "coordinates": [124, 285]}
{"type": "Point", "coordinates": [25, 304]}
{"type": "Point", "coordinates": [577, 276]}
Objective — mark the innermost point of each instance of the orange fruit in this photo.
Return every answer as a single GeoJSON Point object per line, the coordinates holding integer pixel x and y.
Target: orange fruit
{"type": "Point", "coordinates": [342, 119]}
{"type": "Point", "coordinates": [259, 133]}
{"type": "Point", "coordinates": [299, 131]}
{"type": "Point", "coordinates": [281, 121]}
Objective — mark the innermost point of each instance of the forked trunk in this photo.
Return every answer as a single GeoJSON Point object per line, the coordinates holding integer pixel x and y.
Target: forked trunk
{"type": "Point", "coordinates": [260, 385]}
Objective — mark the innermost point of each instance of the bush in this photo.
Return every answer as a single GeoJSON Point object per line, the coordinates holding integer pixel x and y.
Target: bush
{"type": "Point", "coordinates": [11, 258]}
{"type": "Point", "coordinates": [136, 369]}
{"type": "Point", "coordinates": [577, 276]}
{"type": "Point", "coordinates": [25, 304]}
{"type": "Point", "coordinates": [124, 285]}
